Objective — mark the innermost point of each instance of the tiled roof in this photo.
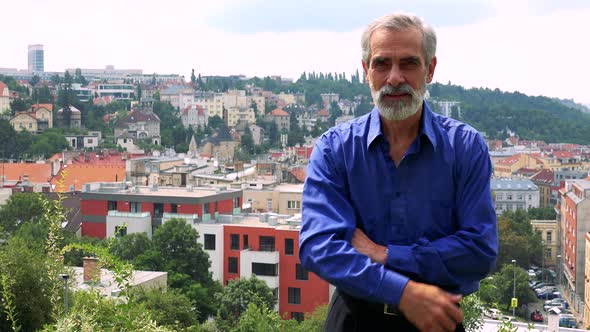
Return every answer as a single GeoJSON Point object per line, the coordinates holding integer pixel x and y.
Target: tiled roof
{"type": "Point", "coordinates": [279, 112]}
{"type": "Point", "coordinates": [543, 176]}
{"type": "Point", "coordinates": [2, 86]}
{"type": "Point", "coordinates": [72, 109]}
{"type": "Point", "coordinates": [563, 154]}
{"type": "Point", "coordinates": [299, 173]}
{"type": "Point", "coordinates": [38, 173]}
{"type": "Point", "coordinates": [47, 106]}
{"type": "Point", "coordinates": [324, 112]}
{"type": "Point", "coordinates": [509, 161]}
{"type": "Point", "coordinates": [93, 158]}
{"type": "Point", "coordinates": [78, 175]}
{"type": "Point", "coordinates": [137, 116]}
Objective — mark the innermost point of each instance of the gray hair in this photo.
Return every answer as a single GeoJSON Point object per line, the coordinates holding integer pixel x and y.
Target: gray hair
{"type": "Point", "coordinates": [400, 22]}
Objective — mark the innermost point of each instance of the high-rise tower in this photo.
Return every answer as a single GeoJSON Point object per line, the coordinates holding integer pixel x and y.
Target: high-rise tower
{"type": "Point", "coordinates": [36, 58]}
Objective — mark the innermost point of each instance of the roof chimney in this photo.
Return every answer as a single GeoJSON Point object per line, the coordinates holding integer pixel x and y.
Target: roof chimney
{"type": "Point", "coordinates": [91, 269]}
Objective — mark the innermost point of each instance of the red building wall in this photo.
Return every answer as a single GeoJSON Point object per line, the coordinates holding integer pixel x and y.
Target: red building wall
{"type": "Point", "coordinates": [314, 291]}
{"type": "Point", "coordinates": [93, 207]}
{"type": "Point", "coordinates": [226, 206]}
{"type": "Point", "coordinates": [94, 229]}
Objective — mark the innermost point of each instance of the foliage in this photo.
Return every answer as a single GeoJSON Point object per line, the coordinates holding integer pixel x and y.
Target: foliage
{"type": "Point", "coordinates": [19, 209]}
{"type": "Point", "coordinates": [542, 213]}
{"type": "Point", "coordinates": [237, 295]}
{"type": "Point", "coordinates": [258, 319]}
{"type": "Point", "coordinates": [26, 295]}
{"type": "Point", "coordinates": [7, 300]}
{"type": "Point", "coordinates": [314, 321]}
{"type": "Point", "coordinates": [170, 309]}
{"type": "Point", "coordinates": [504, 283]}
{"type": "Point", "coordinates": [517, 240]}
{"type": "Point", "coordinates": [472, 312]}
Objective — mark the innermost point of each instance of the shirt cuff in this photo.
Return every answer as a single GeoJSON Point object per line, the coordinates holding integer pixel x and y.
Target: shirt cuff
{"type": "Point", "coordinates": [401, 258]}
{"type": "Point", "coordinates": [392, 287]}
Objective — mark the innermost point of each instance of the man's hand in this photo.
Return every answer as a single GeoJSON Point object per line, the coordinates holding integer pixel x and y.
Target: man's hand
{"type": "Point", "coordinates": [430, 308]}
{"type": "Point", "coordinates": [364, 245]}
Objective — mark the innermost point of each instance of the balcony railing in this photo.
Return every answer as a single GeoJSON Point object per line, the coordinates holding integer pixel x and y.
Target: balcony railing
{"type": "Point", "coordinates": [114, 213]}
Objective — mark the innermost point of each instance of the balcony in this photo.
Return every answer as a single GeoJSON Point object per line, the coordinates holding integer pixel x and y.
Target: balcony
{"type": "Point", "coordinates": [114, 213]}
{"type": "Point", "coordinates": [192, 218]}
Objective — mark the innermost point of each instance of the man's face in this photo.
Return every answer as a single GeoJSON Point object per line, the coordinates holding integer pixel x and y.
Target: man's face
{"type": "Point", "coordinates": [397, 72]}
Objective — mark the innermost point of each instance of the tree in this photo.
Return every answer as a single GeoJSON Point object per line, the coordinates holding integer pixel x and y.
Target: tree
{"type": "Point", "coordinates": [79, 78]}
{"type": "Point", "coordinates": [130, 247]}
{"type": "Point", "coordinates": [542, 213]}
{"type": "Point", "coordinates": [517, 240]}
{"type": "Point", "coordinates": [21, 208]}
{"type": "Point", "coordinates": [236, 297]}
{"type": "Point", "coordinates": [25, 266]}
{"type": "Point", "coordinates": [8, 139]}
{"type": "Point", "coordinates": [215, 122]}
{"type": "Point", "coordinates": [34, 80]}
{"type": "Point", "coordinates": [504, 283]}
{"type": "Point", "coordinates": [258, 318]}
{"type": "Point", "coordinates": [193, 78]}
{"type": "Point", "coordinates": [18, 105]}
{"type": "Point", "coordinates": [170, 309]}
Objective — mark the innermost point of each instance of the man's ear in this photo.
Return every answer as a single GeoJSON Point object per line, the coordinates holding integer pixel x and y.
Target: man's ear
{"type": "Point", "coordinates": [431, 68]}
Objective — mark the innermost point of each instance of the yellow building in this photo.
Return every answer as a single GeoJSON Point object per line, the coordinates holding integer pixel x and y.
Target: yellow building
{"type": "Point", "coordinates": [37, 119]}
{"type": "Point", "coordinates": [507, 166]}
{"type": "Point", "coordinates": [549, 236]}
{"type": "Point", "coordinates": [281, 199]}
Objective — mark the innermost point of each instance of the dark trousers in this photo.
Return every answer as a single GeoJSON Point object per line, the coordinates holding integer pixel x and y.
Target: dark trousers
{"type": "Point", "coordinates": [350, 314]}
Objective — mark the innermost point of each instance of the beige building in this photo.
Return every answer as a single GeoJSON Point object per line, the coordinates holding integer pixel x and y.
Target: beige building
{"type": "Point", "coordinates": [212, 103]}
{"type": "Point", "coordinates": [549, 235]}
{"type": "Point", "coordinates": [37, 119]}
{"type": "Point", "coordinates": [287, 98]}
{"type": "Point", "coordinates": [507, 166]}
{"type": "Point", "coordinates": [585, 308]}
{"type": "Point", "coordinates": [282, 199]}
{"type": "Point", "coordinates": [281, 118]}
{"type": "Point", "coordinates": [4, 98]}
{"type": "Point", "coordinates": [236, 115]}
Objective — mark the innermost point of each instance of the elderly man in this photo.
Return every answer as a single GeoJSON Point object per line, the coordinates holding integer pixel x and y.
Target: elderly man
{"type": "Point", "coordinates": [397, 206]}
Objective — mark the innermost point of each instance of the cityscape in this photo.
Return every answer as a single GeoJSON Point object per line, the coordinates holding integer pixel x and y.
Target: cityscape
{"type": "Point", "coordinates": [197, 182]}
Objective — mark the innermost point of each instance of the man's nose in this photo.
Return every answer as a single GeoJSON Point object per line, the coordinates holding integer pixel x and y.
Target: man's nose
{"type": "Point", "coordinates": [395, 76]}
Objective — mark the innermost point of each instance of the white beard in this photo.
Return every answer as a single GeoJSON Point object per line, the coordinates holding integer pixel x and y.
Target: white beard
{"type": "Point", "coordinates": [402, 109]}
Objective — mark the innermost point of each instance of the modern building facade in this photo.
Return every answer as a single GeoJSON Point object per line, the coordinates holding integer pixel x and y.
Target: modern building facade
{"type": "Point", "coordinates": [36, 58]}
{"type": "Point", "coordinates": [118, 208]}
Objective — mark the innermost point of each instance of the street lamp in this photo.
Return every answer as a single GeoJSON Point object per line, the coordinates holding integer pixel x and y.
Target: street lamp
{"type": "Point", "coordinates": [514, 287]}
{"type": "Point", "coordinates": [65, 279]}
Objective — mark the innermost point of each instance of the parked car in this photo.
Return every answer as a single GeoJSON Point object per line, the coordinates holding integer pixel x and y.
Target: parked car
{"type": "Point", "coordinates": [548, 295]}
{"type": "Point", "coordinates": [552, 305]}
{"type": "Point", "coordinates": [558, 300]}
{"type": "Point", "coordinates": [567, 320]}
{"type": "Point", "coordinates": [491, 313]}
{"type": "Point", "coordinates": [536, 316]}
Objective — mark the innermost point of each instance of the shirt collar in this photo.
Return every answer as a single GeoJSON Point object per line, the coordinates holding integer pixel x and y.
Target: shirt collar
{"type": "Point", "coordinates": [426, 126]}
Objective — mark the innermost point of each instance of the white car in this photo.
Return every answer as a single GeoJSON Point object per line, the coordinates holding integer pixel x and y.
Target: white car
{"type": "Point", "coordinates": [491, 313]}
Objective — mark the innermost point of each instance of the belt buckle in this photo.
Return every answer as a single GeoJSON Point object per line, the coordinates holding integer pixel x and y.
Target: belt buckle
{"type": "Point", "coordinates": [390, 310]}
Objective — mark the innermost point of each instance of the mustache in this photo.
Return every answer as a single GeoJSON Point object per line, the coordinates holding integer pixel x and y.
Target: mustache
{"type": "Point", "coordinates": [402, 88]}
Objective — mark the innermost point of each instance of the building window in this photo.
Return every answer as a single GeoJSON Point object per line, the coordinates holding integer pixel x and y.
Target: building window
{"type": "Point", "coordinates": [300, 272]}
{"type": "Point", "coordinates": [549, 236]}
{"type": "Point", "coordinates": [120, 231]}
{"type": "Point", "coordinates": [548, 253]}
{"type": "Point", "coordinates": [499, 196]}
{"type": "Point", "coordinates": [206, 208]}
{"type": "Point", "coordinates": [289, 247]}
{"type": "Point", "coordinates": [236, 202]}
{"type": "Point", "coordinates": [245, 239]}
{"type": "Point", "coordinates": [294, 295]}
{"type": "Point", "coordinates": [263, 269]}
{"type": "Point", "coordinates": [232, 263]}
{"type": "Point", "coordinates": [298, 316]}
{"type": "Point", "coordinates": [530, 197]}
{"type": "Point", "coordinates": [215, 207]}
{"type": "Point", "coordinates": [209, 241]}
{"type": "Point", "coordinates": [294, 205]}
{"type": "Point", "coordinates": [234, 241]}
{"type": "Point", "coordinates": [112, 206]}
{"type": "Point", "coordinates": [135, 207]}
{"type": "Point", "coordinates": [269, 204]}
{"type": "Point", "coordinates": [174, 208]}
{"type": "Point", "coordinates": [509, 197]}
{"type": "Point", "coordinates": [519, 197]}
{"type": "Point", "coordinates": [267, 243]}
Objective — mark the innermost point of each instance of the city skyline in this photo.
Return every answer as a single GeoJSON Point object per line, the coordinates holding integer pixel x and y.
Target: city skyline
{"type": "Point", "coordinates": [526, 46]}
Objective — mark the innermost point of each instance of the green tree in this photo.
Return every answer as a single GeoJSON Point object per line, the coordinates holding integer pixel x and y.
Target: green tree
{"type": "Point", "coordinates": [236, 297]}
{"type": "Point", "coordinates": [517, 240]}
{"type": "Point", "coordinates": [542, 213]}
{"type": "Point", "coordinates": [8, 139]}
{"type": "Point", "coordinates": [258, 319]}
{"type": "Point", "coordinates": [21, 208]}
{"type": "Point", "coordinates": [215, 122]}
{"type": "Point", "coordinates": [170, 309]}
{"type": "Point", "coordinates": [193, 78]}
{"type": "Point", "coordinates": [504, 282]}
{"type": "Point", "coordinates": [130, 247]}
{"type": "Point", "coordinates": [34, 80]}
{"type": "Point", "coordinates": [79, 78]}
{"type": "Point", "coordinates": [26, 267]}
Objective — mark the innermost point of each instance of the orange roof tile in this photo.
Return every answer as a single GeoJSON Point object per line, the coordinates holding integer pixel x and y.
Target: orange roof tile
{"type": "Point", "coordinates": [2, 86]}
{"type": "Point", "coordinates": [279, 112]}
{"type": "Point", "coordinates": [47, 106]}
{"type": "Point", "coordinates": [299, 174]}
{"type": "Point", "coordinates": [38, 173]}
{"type": "Point", "coordinates": [324, 112]}
{"type": "Point", "coordinates": [78, 175]}
{"type": "Point", "coordinates": [509, 161]}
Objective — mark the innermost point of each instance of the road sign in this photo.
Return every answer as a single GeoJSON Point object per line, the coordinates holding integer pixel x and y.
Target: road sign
{"type": "Point", "coordinates": [514, 302]}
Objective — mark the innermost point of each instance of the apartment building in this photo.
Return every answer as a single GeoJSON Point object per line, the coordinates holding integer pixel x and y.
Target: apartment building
{"type": "Point", "coordinates": [265, 245]}
{"type": "Point", "coordinates": [283, 199]}
{"type": "Point", "coordinates": [35, 120]}
{"type": "Point", "coordinates": [573, 214]}
{"type": "Point", "coordinates": [514, 194]}
{"type": "Point", "coordinates": [550, 237]}
{"type": "Point", "coordinates": [118, 208]}
{"type": "Point", "coordinates": [4, 98]}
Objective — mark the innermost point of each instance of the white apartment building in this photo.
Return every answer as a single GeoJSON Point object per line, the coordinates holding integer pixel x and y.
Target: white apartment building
{"type": "Point", "coordinates": [119, 91]}
{"type": "Point", "coordinates": [513, 194]}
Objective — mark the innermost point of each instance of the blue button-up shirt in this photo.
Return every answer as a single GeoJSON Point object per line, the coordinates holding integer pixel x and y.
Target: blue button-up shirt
{"type": "Point", "coordinates": [434, 211]}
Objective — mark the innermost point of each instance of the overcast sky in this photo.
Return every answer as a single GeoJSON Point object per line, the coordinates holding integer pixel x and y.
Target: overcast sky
{"type": "Point", "coordinates": [535, 47]}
